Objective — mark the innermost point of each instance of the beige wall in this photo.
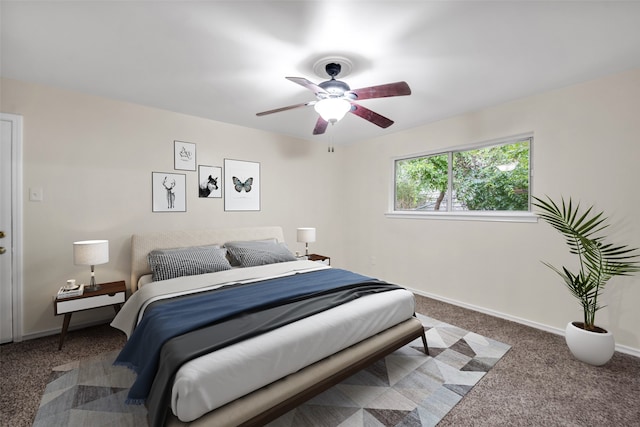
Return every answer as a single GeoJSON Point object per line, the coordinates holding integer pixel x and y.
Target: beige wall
{"type": "Point", "coordinates": [586, 145]}
{"type": "Point", "coordinates": [93, 159]}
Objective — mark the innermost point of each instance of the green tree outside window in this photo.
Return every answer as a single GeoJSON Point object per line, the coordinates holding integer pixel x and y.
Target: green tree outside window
{"type": "Point", "coordinates": [494, 178]}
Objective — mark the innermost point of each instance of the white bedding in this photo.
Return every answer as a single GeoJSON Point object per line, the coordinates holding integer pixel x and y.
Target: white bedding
{"type": "Point", "coordinates": [210, 381]}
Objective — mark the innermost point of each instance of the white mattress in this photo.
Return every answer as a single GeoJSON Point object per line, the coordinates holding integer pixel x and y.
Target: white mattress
{"type": "Point", "coordinates": [211, 381]}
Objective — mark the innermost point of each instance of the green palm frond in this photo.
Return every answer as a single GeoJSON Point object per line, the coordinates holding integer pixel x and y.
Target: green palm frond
{"type": "Point", "coordinates": [599, 261]}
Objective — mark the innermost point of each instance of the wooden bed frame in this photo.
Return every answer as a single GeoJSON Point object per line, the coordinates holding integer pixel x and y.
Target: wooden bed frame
{"type": "Point", "coordinates": [270, 402]}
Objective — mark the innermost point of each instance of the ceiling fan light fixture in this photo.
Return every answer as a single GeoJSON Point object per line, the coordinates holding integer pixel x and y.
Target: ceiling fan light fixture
{"type": "Point", "coordinates": [332, 109]}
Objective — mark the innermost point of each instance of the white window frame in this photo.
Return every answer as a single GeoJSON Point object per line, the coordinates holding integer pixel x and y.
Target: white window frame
{"type": "Point", "coordinates": [500, 216]}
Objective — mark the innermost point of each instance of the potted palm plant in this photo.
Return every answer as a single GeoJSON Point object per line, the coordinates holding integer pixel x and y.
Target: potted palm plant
{"type": "Point", "coordinates": [598, 262]}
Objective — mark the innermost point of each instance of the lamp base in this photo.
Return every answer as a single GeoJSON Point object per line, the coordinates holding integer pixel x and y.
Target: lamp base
{"type": "Point", "coordinates": [93, 286]}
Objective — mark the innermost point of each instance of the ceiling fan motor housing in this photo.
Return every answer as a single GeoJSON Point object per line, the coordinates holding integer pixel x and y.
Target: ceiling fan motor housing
{"type": "Point", "coordinates": [335, 87]}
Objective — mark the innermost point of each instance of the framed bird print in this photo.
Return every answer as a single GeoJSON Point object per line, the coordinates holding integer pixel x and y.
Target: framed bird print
{"type": "Point", "coordinates": [184, 156]}
{"type": "Point", "coordinates": [241, 185]}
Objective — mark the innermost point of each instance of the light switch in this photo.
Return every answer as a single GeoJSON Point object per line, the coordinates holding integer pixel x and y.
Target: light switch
{"type": "Point", "coordinates": [35, 194]}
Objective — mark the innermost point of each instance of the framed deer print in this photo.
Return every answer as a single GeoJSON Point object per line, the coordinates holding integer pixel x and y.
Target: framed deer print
{"type": "Point", "coordinates": [168, 192]}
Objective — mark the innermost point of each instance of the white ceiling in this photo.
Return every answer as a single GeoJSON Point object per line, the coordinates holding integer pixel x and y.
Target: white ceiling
{"type": "Point", "coordinates": [227, 60]}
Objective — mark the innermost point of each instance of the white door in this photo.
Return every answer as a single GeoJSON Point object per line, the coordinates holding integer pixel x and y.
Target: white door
{"type": "Point", "coordinates": [9, 131]}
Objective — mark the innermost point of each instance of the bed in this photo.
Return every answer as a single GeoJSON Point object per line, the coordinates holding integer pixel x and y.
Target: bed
{"type": "Point", "coordinates": [277, 364]}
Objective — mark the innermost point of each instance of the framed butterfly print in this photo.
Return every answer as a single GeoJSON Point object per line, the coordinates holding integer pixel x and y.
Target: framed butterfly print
{"type": "Point", "coordinates": [241, 185]}
{"type": "Point", "coordinates": [184, 156]}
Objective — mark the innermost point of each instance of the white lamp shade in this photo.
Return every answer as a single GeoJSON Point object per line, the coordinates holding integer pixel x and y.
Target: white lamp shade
{"type": "Point", "coordinates": [332, 109]}
{"type": "Point", "coordinates": [91, 252]}
{"type": "Point", "coordinates": [306, 235]}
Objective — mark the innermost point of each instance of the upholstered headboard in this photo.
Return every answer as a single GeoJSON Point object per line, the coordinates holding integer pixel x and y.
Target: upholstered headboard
{"type": "Point", "coordinates": [142, 244]}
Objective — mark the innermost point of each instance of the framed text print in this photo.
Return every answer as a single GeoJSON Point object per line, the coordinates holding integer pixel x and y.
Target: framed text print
{"type": "Point", "coordinates": [241, 185]}
{"type": "Point", "coordinates": [184, 156]}
{"type": "Point", "coordinates": [169, 192]}
{"type": "Point", "coordinates": [209, 181]}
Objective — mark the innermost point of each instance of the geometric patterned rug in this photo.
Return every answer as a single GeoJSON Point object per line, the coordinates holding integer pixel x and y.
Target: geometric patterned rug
{"type": "Point", "coordinates": [406, 388]}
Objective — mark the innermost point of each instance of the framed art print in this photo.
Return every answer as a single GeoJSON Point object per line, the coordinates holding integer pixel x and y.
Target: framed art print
{"type": "Point", "coordinates": [209, 181]}
{"type": "Point", "coordinates": [241, 185]}
{"type": "Point", "coordinates": [184, 156]}
{"type": "Point", "coordinates": [168, 192]}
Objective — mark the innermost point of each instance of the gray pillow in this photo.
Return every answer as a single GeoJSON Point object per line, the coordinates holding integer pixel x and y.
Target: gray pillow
{"type": "Point", "coordinates": [249, 254]}
{"type": "Point", "coordinates": [248, 243]}
{"type": "Point", "coordinates": [178, 262]}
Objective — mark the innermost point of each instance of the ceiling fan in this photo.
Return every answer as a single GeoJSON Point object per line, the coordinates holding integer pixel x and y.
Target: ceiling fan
{"type": "Point", "coordinates": [335, 98]}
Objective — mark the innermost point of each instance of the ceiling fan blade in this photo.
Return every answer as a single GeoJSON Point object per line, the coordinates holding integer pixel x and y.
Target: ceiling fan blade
{"type": "Point", "coordinates": [290, 107]}
{"type": "Point", "coordinates": [321, 126]}
{"type": "Point", "coordinates": [381, 91]}
{"type": "Point", "coordinates": [371, 116]}
{"type": "Point", "coordinates": [309, 85]}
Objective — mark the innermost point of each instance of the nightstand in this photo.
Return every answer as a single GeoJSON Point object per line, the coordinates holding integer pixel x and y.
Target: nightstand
{"type": "Point", "coordinates": [109, 294]}
{"type": "Point", "coordinates": [320, 258]}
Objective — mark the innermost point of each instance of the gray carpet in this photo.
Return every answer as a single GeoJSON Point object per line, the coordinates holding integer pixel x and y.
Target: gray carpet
{"type": "Point", "coordinates": [537, 383]}
{"type": "Point", "coordinates": [407, 388]}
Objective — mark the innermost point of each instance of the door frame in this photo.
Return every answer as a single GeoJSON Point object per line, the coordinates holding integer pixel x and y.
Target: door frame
{"type": "Point", "coordinates": [16, 222]}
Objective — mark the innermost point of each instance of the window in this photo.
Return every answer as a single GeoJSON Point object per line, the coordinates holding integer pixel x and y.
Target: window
{"type": "Point", "coordinates": [489, 178]}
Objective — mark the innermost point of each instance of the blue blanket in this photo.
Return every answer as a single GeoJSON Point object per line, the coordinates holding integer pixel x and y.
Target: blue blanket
{"type": "Point", "coordinates": [163, 322]}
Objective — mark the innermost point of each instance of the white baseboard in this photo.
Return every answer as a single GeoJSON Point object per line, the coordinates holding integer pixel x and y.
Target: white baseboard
{"type": "Point", "coordinates": [621, 348]}
{"type": "Point", "coordinates": [57, 331]}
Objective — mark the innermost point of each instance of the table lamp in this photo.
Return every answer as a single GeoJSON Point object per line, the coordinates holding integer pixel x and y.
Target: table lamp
{"type": "Point", "coordinates": [91, 252]}
{"type": "Point", "coordinates": [306, 235]}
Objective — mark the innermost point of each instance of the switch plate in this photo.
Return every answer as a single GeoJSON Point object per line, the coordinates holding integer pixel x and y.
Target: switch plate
{"type": "Point", "coordinates": [35, 194]}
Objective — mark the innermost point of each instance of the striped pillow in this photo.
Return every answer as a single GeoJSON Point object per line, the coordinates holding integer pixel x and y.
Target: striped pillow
{"type": "Point", "coordinates": [250, 254]}
{"type": "Point", "coordinates": [170, 263]}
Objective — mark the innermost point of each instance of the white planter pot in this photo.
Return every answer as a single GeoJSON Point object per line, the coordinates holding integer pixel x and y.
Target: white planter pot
{"type": "Point", "coordinates": [594, 348]}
